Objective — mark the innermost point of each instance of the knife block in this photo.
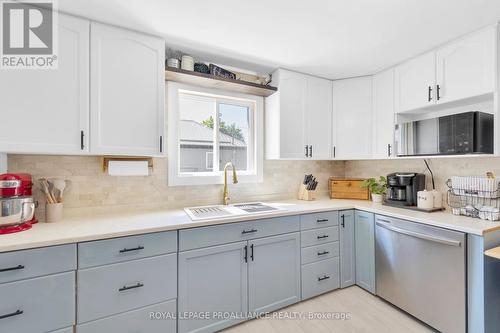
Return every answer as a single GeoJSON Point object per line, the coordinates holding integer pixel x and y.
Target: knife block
{"type": "Point", "coordinates": [305, 194]}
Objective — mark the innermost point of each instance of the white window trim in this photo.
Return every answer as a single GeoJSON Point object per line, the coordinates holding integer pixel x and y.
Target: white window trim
{"type": "Point", "coordinates": [174, 178]}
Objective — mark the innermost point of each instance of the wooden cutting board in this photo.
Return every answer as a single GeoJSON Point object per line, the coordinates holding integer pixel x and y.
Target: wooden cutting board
{"type": "Point", "coordinates": [347, 188]}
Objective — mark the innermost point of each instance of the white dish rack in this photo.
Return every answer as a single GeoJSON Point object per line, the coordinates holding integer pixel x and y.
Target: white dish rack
{"type": "Point", "coordinates": [474, 196]}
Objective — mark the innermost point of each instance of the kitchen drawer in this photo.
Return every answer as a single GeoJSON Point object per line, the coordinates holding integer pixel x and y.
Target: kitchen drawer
{"type": "Point", "coordinates": [126, 248]}
{"type": "Point", "coordinates": [319, 236]}
{"type": "Point", "coordinates": [320, 252]}
{"type": "Point", "coordinates": [137, 321]}
{"type": "Point", "coordinates": [43, 304]}
{"type": "Point", "coordinates": [235, 232]}
{"type": "Point", "coordinates": [108, 290]}
{"type": "Point", "coordinates": [19, 265]}
{"type": "Point", "coordinates": [319, 220]}
{"type": "Point", "coordinates": [320, 277]}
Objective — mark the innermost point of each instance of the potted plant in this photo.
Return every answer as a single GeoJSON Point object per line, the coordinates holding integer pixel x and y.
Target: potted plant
{"type": "Point", "coordinates": [377, 188]}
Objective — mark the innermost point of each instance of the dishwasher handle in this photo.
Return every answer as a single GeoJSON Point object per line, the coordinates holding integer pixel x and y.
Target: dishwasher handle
{"type": "Point", "coordinates": [436, 239]}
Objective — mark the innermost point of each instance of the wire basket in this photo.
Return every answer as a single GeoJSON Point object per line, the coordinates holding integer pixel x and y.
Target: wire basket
{"type": "Point", "coordinates": [477, 200]}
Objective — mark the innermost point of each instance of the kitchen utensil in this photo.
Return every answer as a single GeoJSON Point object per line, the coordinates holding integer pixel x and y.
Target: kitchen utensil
{"type": "Point", "coordinates": [187, 63]}
{"type": "Point", "coordinates": [437, 198]}
{"type": "Point", "coordinates": [53, 212]}
{"type": "Point", "coordinates": [16, 210]}
{"type": "Point", "coordinates": [348, 188]}
{"type": "Point", "coordinates": [60, 185]}
{"type": "Point", "coordinates": [17, 206]}
{"type": "Point", "coordinates": [45, 188]}
{"type": "Point", "coordinates": [174, 63]}
{"type": "Point", "coordinates": [425, 199]}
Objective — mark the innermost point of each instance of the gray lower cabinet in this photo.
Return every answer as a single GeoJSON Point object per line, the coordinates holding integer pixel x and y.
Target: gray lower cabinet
{"type": "Point", "coordinates": [158, 318]}
{"type": "Point", "coordinates": [37, 305]}
{"type": "Point", "coordinates": [212, 281]}
{"type": "Point", "coordinates": [347, 249]}
{"type": "Point", "coordinates": [364, 229]}
{"type": "Point", "coordinates": [274, 272]}
{"type": "Point", "coordinates": [111, 289]}
{"type": "Point", "coordinates": [64, 330]}
{"type": "Point", "coordinates": [320, 277]}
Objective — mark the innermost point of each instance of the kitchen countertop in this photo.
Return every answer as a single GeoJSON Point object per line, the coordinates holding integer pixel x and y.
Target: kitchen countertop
{"type": "Point", "coordinates": [77, 227]}
{"type": "Point", "coordinates": [493, 253]}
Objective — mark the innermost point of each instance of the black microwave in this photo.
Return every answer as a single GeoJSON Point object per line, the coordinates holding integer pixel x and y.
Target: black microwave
{"type": "Point", "coordinates": [458, 134]}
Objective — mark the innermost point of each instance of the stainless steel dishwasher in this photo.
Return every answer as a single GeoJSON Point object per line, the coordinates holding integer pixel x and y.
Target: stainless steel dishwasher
{"type": "Point", "coordinates": [421, 269]}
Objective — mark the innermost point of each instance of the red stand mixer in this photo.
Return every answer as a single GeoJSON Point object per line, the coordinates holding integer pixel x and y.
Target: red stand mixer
{"type": "Point", "coordinates": [17, 206]}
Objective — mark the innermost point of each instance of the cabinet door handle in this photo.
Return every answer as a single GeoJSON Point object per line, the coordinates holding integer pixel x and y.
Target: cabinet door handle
{"type": "Point", "coordinates": [321, 220]}
{"type": "Point", "coordinates": [135, 286]}
{"type": "Point", "coordinates": [82, 143]}
{"type": "Point", "coordinates": [343, 221]}
{"type": "Point", "coordinates": [324, 277]}
{"type": "Point", "coordinates": [246, 253]}
{"type": "Point", "coordinates": [322, 237]}
{"type": "Point", "coordinates": [438, 90]}
{"type": "Point", "coordinates": [307, 151]}
{"type": "Point", "coordinates": [251, 254]}
{"type": "Point", "coordinates": [15, 268]}
{"type": "Point", "coordinates": [311, 151]}
{"type": "Point", "coordinates": [15, 313]}
{"type": "Point", "coordinates": [244, 232]}
{"type": "Point", "coordinates": [429, 94]}
{"type": "Point", "coordinates": [132, 249]}
{"type": "Point", "coordinates": [389, 150]}
{"type": "Point", "coordinates": [334, 151]}
{"type": "Point", "coordinates": [161, 144]}
{"type": "Point", "coordinates": [323, 253]}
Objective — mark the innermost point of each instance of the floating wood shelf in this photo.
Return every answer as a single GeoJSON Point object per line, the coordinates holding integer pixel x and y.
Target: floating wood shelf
{"type": "Point", "coordinates": [211, 81]}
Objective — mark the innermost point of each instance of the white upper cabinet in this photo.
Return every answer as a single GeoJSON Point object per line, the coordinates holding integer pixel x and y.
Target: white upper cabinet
{"type": "Point", "coordinates": [318, 118]}
{"type": "Point", "coordinates": [298, 117]}
{"type": "Point", "coordinates": [352, 118]}
{"type": "Point", "coordinates": [383, 114]}
{"type": "Point", "coordinates": [466, 68]}
{"type": "Point", "coordinates": [127, 92]}
{"type": "Point", "coordinates": [414, 83]}
{"type": "Point", "coordinates": [47, 111]}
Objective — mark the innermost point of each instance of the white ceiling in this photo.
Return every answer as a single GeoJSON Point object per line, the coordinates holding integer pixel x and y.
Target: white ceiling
{"type": "Point", "coordinates": [329, 38]}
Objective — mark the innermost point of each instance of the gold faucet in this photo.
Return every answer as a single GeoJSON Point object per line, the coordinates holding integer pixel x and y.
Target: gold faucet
{"type": "Point", "coordinates": [235, 181]}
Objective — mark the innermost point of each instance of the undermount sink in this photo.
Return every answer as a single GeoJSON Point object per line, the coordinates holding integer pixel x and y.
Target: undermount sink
{"type": "Point", "coordinates": [221, 211]}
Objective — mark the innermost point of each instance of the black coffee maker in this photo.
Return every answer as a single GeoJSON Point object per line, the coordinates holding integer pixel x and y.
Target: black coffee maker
{"type": "Point", "coordinates": [402, 188]}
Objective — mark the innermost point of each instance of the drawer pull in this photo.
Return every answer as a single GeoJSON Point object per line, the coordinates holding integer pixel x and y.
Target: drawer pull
{"type": "Point", "coordinates": [324, 277]}
{"type": "Point", "coordinates": [321, 220]}
{"type": "Point", "coordinates": [323, 253]}
{"type": "Point", "coordinates": [132, 249]}
{"type": "Point", "coordinates": [321, 237]}
{"type": "Point", "coordinates": [244, 232]}
{"type": "Point", "coordinates": [17, 313]}
{"type": "Point", "coordinates": [12, 268]}
{"type": "Point", "coordinates": [135, 286]}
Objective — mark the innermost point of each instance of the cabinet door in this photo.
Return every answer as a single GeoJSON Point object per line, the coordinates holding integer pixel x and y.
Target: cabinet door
{"type": "Point", "coordinates": [212, 279]}
{"type": "Point", "coordinates": [414, 83]}
{"type": "Point", "coordinates": [466, 68]}
{"type": "Point", "coordinates": [318, 116]}
{"type": "Point", "coordinates": [352, 110]}
{"type": "Point", "coordinates": [292, 90]}
{"type": "Point", "coordinates": [364, 231]}
{"type": "Point", "coordinates": [273, 272]}
{"type": "Point", "coordinates": [383, 114]}
{"type": "Point", "coordinates": [48, 110]}
{"type": "Point", "coordinates": [127, 97]}
{"type": "Point", "coordinates": [347, 249]}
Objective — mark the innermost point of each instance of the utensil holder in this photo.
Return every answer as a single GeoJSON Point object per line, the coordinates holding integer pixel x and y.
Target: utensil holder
{"type": "Point", "coordinates": [305, 194]}
{"type": "Point", "coordinates": [53, 212]}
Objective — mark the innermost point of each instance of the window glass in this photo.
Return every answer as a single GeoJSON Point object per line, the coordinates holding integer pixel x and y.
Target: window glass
{"type": "Point", "coordinates": [234, 130]}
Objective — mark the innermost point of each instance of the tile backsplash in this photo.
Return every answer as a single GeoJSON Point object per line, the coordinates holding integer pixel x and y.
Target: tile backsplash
{"type": "Point", "coordinates": [443, 168]}
{"type": "Point", "coordinates": [89, 186]}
